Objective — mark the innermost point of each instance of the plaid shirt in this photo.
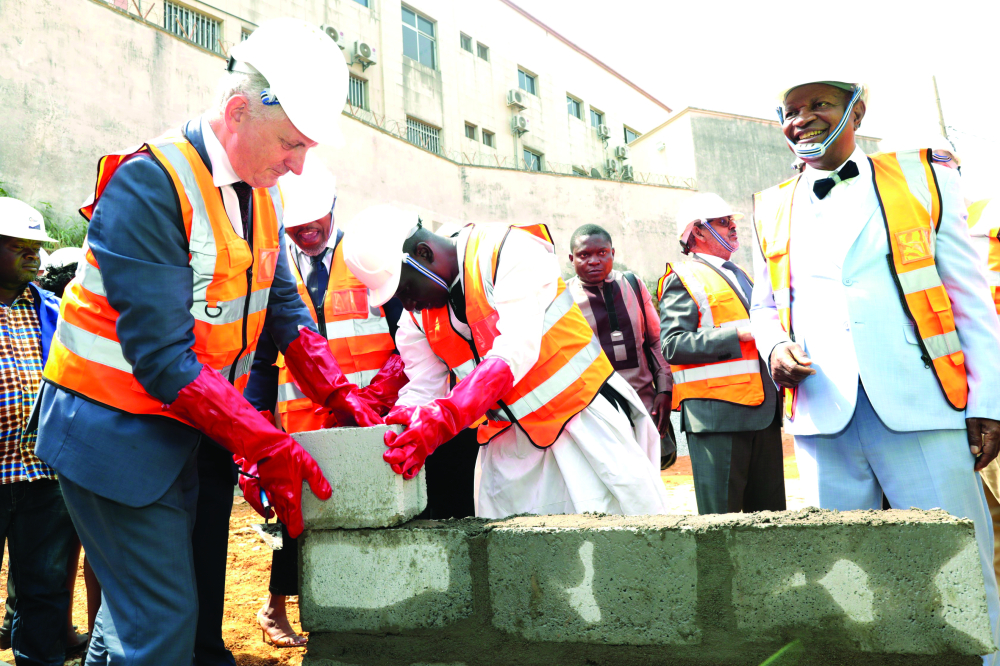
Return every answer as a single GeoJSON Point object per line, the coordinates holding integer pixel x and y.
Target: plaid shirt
{"type": "Point", "coordinates": [20, 373]}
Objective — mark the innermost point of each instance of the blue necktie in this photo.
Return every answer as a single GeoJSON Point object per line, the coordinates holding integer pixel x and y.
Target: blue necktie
{"type": "Point", "coordinates": [318, 279]}
{"type": "Point", "coordinates": [741, 278]}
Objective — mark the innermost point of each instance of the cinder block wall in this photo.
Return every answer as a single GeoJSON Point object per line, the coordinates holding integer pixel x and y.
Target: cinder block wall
{"type": "Point", "coordinates": [886, 587]}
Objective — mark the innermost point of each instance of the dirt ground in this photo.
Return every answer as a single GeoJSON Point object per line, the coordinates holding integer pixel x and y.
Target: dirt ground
{"type": "Point", "coordinates": [250, 565]}
{"type": "Point", "coordinates": [246, 590]}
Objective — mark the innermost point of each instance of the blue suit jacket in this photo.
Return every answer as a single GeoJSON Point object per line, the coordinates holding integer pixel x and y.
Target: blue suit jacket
{"type": "Point", "coordinates": [138, 238]}
{"type": "Point", "coordinates": [47, 309]}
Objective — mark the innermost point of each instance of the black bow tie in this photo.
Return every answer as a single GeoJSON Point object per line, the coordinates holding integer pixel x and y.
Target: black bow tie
{"type": "Point", "coordinates": [822, 187]}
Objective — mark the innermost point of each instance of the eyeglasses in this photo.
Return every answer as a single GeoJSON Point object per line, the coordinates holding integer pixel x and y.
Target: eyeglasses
{"type": "Point", "coordinates": [723, 222]}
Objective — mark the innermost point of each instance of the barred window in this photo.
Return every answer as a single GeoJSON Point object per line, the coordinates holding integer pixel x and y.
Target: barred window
{"type": "Point", "coordinates": [193, 26]}
{"type": "Point", "coordinates": [357, 93]}
{"type": "Point", "coordinates": [423, 135]}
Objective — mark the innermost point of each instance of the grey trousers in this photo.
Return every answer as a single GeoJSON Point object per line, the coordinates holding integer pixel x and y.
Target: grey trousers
{"type": "Point", "coordinates": [738, 471]}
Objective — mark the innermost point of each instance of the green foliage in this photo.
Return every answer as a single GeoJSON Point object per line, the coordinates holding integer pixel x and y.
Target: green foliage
{"type": "Point", "coordinates": [70, 232]}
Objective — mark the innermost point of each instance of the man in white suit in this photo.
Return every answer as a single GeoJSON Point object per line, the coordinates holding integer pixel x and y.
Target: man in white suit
{"type": "Point", "coordinates": [885, 338]}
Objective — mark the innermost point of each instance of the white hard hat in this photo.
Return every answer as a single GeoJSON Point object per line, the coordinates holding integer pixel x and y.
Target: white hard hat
{"type": "Point", "coordinates": [699, 208]}
{"type": "Point", "coordinates": [308, 197]}
{"type": "Point", "coordinates": [64, 256]}
{"type": "Point", "coordinates": [305, 70]}
{"type": "Point", "coordinates": [849, 85]}
{"type": "Point", "coordinates": [19, 220]}
{"type": "Point", "coordinates": [373, 248]}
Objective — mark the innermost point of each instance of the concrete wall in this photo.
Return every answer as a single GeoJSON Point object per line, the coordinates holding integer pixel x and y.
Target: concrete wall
{"type": "Point", "coordinates": [81, 97]}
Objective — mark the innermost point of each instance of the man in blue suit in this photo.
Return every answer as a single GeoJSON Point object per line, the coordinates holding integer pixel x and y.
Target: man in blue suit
{"type": "Point", "coordinates": [157, 331]}
{"type": "Point", "coordinates": [868, 307]}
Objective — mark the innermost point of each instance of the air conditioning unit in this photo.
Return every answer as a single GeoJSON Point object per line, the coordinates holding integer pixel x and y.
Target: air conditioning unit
{"type": "Point", "coordinates": [364, 54]}
{"type": "Point", "coordinates": [515, 98]}
{"type": "Point", "coordinates": [603, 131]}
{"type": "Point", "coordinates": [621, 152]}
{"type": "Point", "coordinates": [519, 124]}
{"type": "Point", "coordinates": [334, 34]}
{"type": "Point", "coordinates": [628, 173]}
{"type": "Point", "coordinates": [611, 166]}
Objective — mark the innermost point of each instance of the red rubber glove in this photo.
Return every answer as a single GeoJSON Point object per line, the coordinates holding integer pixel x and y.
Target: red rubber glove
{"type": "Point", "coordinates": [382, 391]}
{"type": "Point", "coordinates": [217, 409]}
{"type": "Point", "coordinates": [250, 485]}
{"type": "Point", "coordinates": [316, 373]}
{"type": "Point", "coordinates": [431, 425]}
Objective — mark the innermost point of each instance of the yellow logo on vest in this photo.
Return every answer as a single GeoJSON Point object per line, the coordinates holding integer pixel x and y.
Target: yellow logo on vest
{"type": "Point", "coordinates": [914, 245]}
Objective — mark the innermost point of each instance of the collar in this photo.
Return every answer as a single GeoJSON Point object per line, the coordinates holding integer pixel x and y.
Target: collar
{"type": "Point", "coordinates": [28, 296]}
{"type": "Point", "coordinates": [711, 259]}
{"type": "Point", "coordinates": [222, 168]}
{"type": "Point", "coordinates": [811, 175]}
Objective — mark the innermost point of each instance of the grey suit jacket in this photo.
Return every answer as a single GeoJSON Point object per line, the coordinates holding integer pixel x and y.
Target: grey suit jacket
{"type": "Point", "coordinates": [683, 343]}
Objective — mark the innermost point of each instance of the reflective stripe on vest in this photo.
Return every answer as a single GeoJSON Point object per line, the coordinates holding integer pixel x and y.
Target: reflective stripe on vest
{"type": "Point", "coordinates": [719, 306]}
{"type": "Point", "coordinates": [976, 212]}
{"type": "Point", "coordinates": [358, 336]}
{"type": "Point", "coordinates": [571, 366]}
{"type": "Point", "coordinates": [231, 287]}
{"type": "Point", "coordinates": [910, 202]}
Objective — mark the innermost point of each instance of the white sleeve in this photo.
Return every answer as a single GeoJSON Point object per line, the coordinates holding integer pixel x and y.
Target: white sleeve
{"type": "Point", "coordinates": [764, 321]}
{"type": "Point", "coordinates": [975, 314]}
{"type": "Point", "coordinates": [526, 283]}
{"type": "Point", "coordinates": [427, 373]}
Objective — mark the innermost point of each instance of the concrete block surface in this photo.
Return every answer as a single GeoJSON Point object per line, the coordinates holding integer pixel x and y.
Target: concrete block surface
{"type": "Point", "coordinates": [904, 582]}
{"type": "Point", "coordinates": [618, 580]}
{"type": "Point", "coordinates": [366, 492]}
{"type": "Point", "coordinates": [415, 576]}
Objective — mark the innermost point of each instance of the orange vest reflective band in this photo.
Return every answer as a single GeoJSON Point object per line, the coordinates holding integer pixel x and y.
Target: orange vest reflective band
{"type": "Point", "coordinates": [737, 381]}
{"type": "Point", "coordinates": [358, 336]}
{"type": "Point", "coordinates": [231, 285]}
{"type": "Point", "coordinates": [910, 201]}
{"type": "Point", "coordinates": [993, 259]}
{"type": "Point", "coordinates": [571, 366]}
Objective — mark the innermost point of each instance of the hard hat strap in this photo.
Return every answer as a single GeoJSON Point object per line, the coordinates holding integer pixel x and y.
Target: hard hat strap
{"type": "Point", "coordinates": [426, 272]}
{"type": "Point", "coordinates": [708, 225]}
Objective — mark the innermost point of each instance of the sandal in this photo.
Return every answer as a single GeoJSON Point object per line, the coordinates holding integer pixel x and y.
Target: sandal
{"type": "Point", "coordinates": [278, 637]}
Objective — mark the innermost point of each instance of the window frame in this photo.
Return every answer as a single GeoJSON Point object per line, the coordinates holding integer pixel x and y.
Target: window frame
{"type": "Point", "coordinates": [364, 3]}
{"type": "Point", "coordinates": [599, 117]}
{"type": "Point", "coordinates": [462, 39]}
{"type": "Point", "coordinates": [579, 106]}
{"type": "Point", "coordinates": [178, 29]}
{"type": "Point", "coordinates": [364, 91]}
{"type": "Point", "coordinates": [537, 159]}
{"type": "Point", "coordinates": [482, 49]}
{"type": "Point", "coordinates": [418, 32]}
{"type": "Point", "coordinates": [475, 131]}
{"type": "Point", "coordinates": [629, 130]}
{"type": "Point", "coordinates": [524, 76]}
{"type": "Point", "coordinates": [493, 138]}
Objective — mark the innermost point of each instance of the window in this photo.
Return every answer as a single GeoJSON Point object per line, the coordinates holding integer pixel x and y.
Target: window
{"type": "Point", "coordinates": [483, 51]}
{"type": "Point", "coordinates": [525, 81]}
{"type": "Point", "coordinates": [466, 42]}
{"type": "Point", "coordinates": [245, 34]}
{"type": "Point", "coordinates": [532, 161]}
{"type": "Point", "coordinates": [596, 118]}
{"type": "Point", "coordinates": [470, 131]}
{"type": "Point", "coordinates": [363, 3]}
{"type": "Point", "coordinates": [357, 93]}
{"type": "Point", "coordinates": [423, 135]}
{"type": "Point", "coordinates": [631, 135]}
{"type": "Point", "coordinates": [418, 38]}
{"type": "Point", "coordinates": [193, 26]}
{"type": "Point", "coordinates": [575, 107]}
{"type": "Point", "coordinates": [489, 139]}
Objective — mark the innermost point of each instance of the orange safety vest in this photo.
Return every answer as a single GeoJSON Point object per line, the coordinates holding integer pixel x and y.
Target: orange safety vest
{"type": "Point", "coordinates": [358, 336]}
{"type": "Point", "coordinates": [231, 286]}
{"type": "Point", "coordinates": [571, 366]}
{"type": "Point", "coordinates": [737, 381]}
{"type": "Point", "coordinates": [910, 201]}
{"type": "Point", "coordinates": [993, 259]}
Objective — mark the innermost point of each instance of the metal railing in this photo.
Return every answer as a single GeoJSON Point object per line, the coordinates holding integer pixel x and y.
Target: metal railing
{"type": "Point", "coordinates": [423, 135]}
{"type": "Point", "coordinates": [193, 26]}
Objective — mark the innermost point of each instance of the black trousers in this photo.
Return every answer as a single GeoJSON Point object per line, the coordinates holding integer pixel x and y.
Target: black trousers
{"type": "Point", "coordinates": [451, 473]}
{"type": "Point", "coordinates": [210, 542]}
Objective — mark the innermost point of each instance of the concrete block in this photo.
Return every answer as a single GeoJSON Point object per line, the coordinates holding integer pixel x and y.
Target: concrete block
{"type": "Point", "coordinates": [614, 580]}
{"type": "Point", "coordinates": [366, 492]}
{"type": "Point", "coordinates": [415, 576]}
{"type": "Point", "coordinates": [905, 582]}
